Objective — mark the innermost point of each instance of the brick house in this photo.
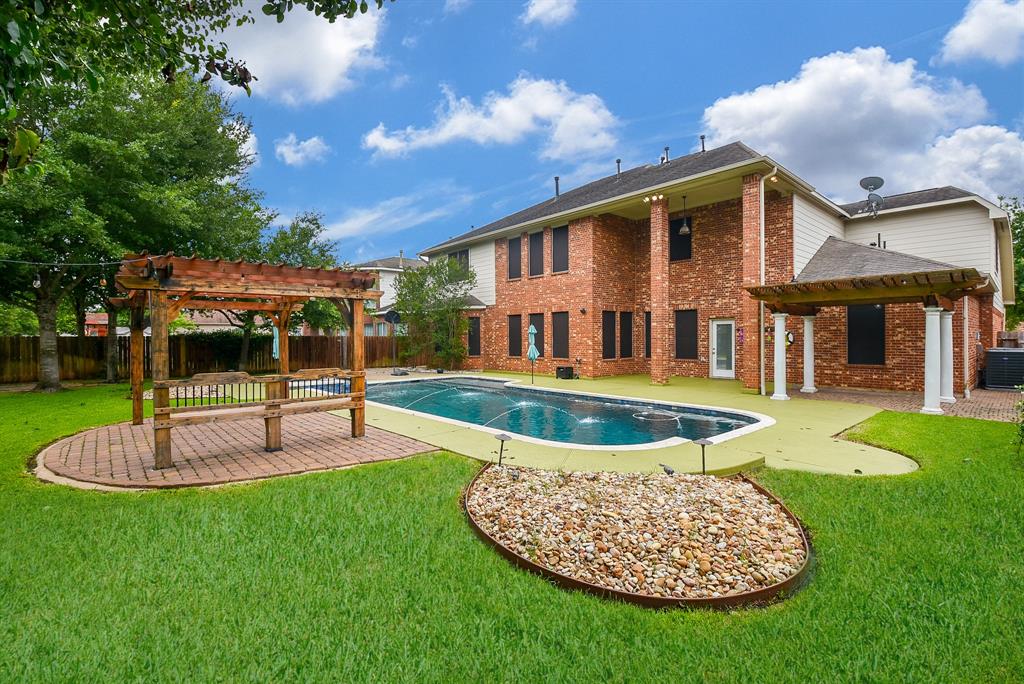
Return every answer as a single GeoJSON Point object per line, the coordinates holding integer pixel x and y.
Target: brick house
{"type": "Point", "coordinates": [725, 264]}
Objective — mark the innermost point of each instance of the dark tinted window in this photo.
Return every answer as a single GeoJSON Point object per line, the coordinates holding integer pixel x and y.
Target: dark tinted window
{"type": "Point", "coordinates": [607, 334]}
{"type": "Point", "coordinates": [560, 334]}
{"type": "Point", "coordinates": [536, 254]}
{"type": "Point", "coordinates": [515, 258]}
{"type": "Point", "coordinates": [626, 334]}
{"type": "Point", "coordinates": [474, 336]}
{"type": "Point", "coordinates": [686, 334]}
{"type": "Point", "coordinates": [462, 257]}
{"type": "Point", "coordinates": [865, 334]}
{"type": "Point", "coordinates": [515, 335]}
{"type": "Point", "coordinates": [680, 247]}
{"type": "Point", "coordinates": [647, 334]}
{"type": "Point", "coordinates": [537, 321]}
{"type": "Point", "coordinates": [560, 249]}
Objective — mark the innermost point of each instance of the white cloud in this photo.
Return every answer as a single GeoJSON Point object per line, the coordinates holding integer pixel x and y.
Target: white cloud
{"type": "Point", "coordinates": [548, 13]}
{"type": "Point", "coordinates": [991, 30]}
{"type": "Point", "coordinates": [305, 58]}
{"type": "Point", "coordinates": [396, 214]}
{"type": "Point", "coordinates": [573, 124]}
{"type": "Point", "coordinates": [251, 149]}
{"type": "Point", "coordinates": [853, 114]}
{"type": "Point", "coordinates": [399, 81]}
{"type": "Point", "coordinates": [409, 42]}
{"type": "Point", "coordinates": [295, 152]}
{"type": "Point", "coordinates": [456, 6]}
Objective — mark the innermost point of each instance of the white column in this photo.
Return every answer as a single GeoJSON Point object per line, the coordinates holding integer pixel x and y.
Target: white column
{"type": "Point", "coordinates": [932, 360]}
{"type": "Point", "coordinates": [809, 356]}
{"type": "Point", "coordinates": [780, 357]}
{"type": "Point", "coordinates": [946, 345]}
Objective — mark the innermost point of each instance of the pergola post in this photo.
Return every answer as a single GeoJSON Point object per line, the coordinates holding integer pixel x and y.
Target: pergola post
{"type": "Point", "coordinates": [278, 390]}
{"type": "Point", "coordinates": [809, 387]}
{"type": "Point", "coordinates": [932, 360]}
{"type": "Point", "coordinates": [137, 350]}
{"type": "Point", "coordinates": [779, 393]}
{"type": "Point", "coordinates": [161, 371]}
{"type": "Point", "coordinates": [946, 344]}
{"type": "Point", "coordinates": [358, 415]}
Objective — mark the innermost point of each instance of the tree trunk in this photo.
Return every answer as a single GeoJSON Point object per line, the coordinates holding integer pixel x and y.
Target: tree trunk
{"type": "Point", "coordinates": [243, 354]}
{"type": "Point", "coordinates": [48, 379]}
{"type": "Point", "coordinates": [110, 344]}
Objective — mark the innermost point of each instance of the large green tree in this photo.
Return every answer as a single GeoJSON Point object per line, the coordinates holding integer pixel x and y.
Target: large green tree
{"type": "Point", "coordinates": [79, 43]}
{"type": "Point", "coordinates": [1015, 209]}
{"type": "Point", "coordinates": [432, 303]}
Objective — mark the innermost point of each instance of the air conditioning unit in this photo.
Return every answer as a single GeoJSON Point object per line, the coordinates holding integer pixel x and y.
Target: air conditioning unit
{"type": "Point", "coordinates": [564, 373]}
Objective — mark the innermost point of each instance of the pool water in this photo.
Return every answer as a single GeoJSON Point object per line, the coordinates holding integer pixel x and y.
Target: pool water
{"type": "Point", "coordinates": [566, 417]}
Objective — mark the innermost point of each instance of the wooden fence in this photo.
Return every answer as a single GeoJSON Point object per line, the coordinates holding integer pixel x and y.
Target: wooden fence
{"type": "Point", "coordinates": [82, 358]}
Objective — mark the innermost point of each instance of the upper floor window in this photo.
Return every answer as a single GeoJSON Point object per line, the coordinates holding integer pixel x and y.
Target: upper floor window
{"type": "Point", "coordinates": [537, 253]}
{"type": "Point", "coordinates": [680, 239]}
{"type": "Point", "coordinates": [461, 257]}
{"type": "Point", "coordinates": [560, 249]}
{"type": "Point", "coordinates": [515, 258]}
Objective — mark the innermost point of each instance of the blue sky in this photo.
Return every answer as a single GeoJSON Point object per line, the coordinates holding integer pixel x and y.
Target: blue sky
{"type": "Point", "coordinates": [407, 126]}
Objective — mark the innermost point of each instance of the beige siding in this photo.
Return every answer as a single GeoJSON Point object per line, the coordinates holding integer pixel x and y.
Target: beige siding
{"type": "Point", "coordinates": [958, 234]}
{"type": "Point", "coordinates": [812, 225]}
{"type": "Point", "coordinates": [481, 260]}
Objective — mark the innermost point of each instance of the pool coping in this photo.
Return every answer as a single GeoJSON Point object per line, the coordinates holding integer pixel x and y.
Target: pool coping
{"type": "Point", "coordinates": [762, 421]}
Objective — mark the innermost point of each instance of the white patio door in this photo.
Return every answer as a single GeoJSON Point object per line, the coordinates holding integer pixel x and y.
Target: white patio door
{"type": "Point", "coordinates": [723, 349]}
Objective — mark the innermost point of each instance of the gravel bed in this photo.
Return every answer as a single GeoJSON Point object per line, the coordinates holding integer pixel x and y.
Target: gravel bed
{"type": "Point", "coordinates": [672, 536]}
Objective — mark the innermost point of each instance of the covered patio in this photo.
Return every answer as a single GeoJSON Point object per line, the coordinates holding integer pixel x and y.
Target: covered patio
{"type": "Point", "coordinates": [843, 273]}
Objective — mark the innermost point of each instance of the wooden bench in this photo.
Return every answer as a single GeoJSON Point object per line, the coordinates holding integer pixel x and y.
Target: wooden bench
{"type": "Point", "coordinates": [221, 397]}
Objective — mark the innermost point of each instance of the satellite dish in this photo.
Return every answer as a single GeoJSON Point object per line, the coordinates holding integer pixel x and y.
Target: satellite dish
{"type": "Point", "coordinates": [393, 317]}
{"type": "Point", "coordinates": [875, 199]}
{"type": "Point", "coordinates": [871, 183]}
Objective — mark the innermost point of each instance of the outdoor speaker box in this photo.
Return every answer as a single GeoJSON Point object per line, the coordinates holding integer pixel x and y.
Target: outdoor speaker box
{"type": "Point", "coordinates": [564, 372]}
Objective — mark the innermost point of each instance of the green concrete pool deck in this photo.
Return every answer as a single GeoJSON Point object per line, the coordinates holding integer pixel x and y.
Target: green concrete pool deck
{"type": "Point", "coordinates": [803, 437]}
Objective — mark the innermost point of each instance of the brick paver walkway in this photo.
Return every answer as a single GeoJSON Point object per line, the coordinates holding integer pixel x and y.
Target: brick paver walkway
{"type": "Point", "coordinates": [984, 404]}
{"type": "Point", "coordinates": [121, 455]}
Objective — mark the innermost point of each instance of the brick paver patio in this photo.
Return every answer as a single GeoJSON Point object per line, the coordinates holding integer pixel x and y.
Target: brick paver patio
{"type": "Point", "coordinates": [121, 455]}
{"type": "Point", "coordinates": [984, 404]}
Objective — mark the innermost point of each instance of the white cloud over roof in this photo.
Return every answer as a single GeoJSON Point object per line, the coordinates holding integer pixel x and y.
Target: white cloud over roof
{"type": "Point", "coordinates": [990, 30]}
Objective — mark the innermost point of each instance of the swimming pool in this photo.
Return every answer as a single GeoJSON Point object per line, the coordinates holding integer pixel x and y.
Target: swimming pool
{"type": "Point", "coordinates": [562, 418]}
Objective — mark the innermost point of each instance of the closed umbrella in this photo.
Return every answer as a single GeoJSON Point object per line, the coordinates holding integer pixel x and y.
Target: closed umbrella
{"type": "Point", "coordinates": [531, 352]}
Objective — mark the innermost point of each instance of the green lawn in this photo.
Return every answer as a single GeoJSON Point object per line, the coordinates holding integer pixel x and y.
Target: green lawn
{"type": "Point", "coordinates": [372, 574]}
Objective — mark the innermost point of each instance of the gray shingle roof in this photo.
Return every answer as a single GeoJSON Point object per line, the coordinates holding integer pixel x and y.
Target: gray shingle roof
{"type": "Point", "coordinates": [909, 199]}
{"type": "Point", "coordinates": [838, 259]}
{"type": "Point", "coordinates": [393, 262]}
{"type": "Point", "coordinates": [631, 180]}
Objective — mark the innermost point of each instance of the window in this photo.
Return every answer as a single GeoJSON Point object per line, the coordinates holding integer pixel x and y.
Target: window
{"type": "Point", "coordinates": [647, 334]}
{"type": "Point", "coordinates": [461, 257]}
{"type": "Point", "coordinates": [686, 334]}
{"type": "Point", "coordinates": [560, 334]}
{"type": "Point", "coordinates": [607, 334]}
{"type": "Point", "coordinates": [537, 254]}
{"type": "Point", "coordinates": [537, 321]}
{"type": "Point", "coordinates": [865, 334]}
{"type": "Point", "coordinates": [680, 247]}
{"type": "Point", "coordinates": [515, 258]}
{"type": "Point", "coordinates": [474, 336]}
{"type": "Point", "coordinates": [560, 249]}
{"type": "Point", "coordinates": [382, 329]}
{"type": "Point", "coordinates": [515, 335]}
{"type": "Point", "coordinates": [626, 334]}
{"type": "Point", "coordinates": [368, 329]}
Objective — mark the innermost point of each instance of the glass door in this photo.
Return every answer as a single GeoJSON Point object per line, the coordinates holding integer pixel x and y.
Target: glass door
{"type": "Point", "coordinates": [723, 349]}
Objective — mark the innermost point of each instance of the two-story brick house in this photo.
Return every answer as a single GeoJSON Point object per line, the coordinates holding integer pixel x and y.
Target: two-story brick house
{"type": "Point", "coordinates": [692, 266]}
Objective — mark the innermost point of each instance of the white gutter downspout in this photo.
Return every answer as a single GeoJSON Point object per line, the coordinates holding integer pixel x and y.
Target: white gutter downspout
{"type": "Point", "coordinates": [967, 389]}
{"type": "Point", "coordinates": [760, 303]}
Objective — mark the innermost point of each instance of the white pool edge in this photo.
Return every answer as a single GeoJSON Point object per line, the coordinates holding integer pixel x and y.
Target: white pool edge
{"type": "Point", "coordinates": [763, 421]}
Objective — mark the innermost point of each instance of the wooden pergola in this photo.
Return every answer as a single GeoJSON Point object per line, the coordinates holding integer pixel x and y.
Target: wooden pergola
{"type": "Point", "coordinates": [167, 284]}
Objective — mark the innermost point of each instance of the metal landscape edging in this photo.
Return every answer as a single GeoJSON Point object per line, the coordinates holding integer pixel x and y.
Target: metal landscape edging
{"type": "Point", "coordinates": [759, 597]}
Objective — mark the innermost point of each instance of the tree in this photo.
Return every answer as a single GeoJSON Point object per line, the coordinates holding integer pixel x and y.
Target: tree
{"type": "Point", "coordinates": [432, 301]}
{"type": "Point", "coordinates": [1015, 209]}
{"type": "Point", "coordinates": [54, 42]}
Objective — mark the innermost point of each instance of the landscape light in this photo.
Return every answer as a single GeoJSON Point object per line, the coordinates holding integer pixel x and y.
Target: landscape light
{"type": "Point", "coordinates": [703, 443]}
{"type": "Point", "coordinates": [502, 437]}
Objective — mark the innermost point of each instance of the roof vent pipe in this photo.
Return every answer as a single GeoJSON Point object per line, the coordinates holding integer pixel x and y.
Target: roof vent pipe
{"type": "Point", "coordinates": [618, 167]}
{"type": "Point", "coordinates": [401, 258]}
{"type": "Point", "coordinates": [666, 154]}
{"type": "Point", "coordinates": [702, 143]}
{"type": "Point", "coordinates": [556, 186]}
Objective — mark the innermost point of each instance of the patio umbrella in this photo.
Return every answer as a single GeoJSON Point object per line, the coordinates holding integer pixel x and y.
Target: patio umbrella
{"type": "Point", "coordinates": [276, 349]}
{"type": "Point", "coordinates": [531, 352]}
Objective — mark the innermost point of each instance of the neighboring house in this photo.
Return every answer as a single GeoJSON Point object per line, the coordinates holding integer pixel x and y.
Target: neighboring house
{"type": "Point", "coordinates": [741, 247]}
{"type": "Point", "coordinates": [388, 270]}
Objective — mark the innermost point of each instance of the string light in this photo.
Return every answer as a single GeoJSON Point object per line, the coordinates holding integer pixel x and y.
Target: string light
{"type": "Point", "coordinates": [58, 263]}
{"type": "Point", "coordinates": [37, 282]}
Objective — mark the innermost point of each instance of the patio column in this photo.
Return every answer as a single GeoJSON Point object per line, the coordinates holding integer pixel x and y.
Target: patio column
{"type": "Point", "coordinates": [660, 323]}
{"type": "Point", "coordinates": [946, 333]}
{"type": "Point", "coordinates": [138, 353]}
{"type": "Point", "coordinates": [932, 360]}
{"type": "Point", "coordinates": [809, 387]}
{"type": "Point", "coordinates": [780, 357]}
{"type": "Point", "coordinates": [161, 371]}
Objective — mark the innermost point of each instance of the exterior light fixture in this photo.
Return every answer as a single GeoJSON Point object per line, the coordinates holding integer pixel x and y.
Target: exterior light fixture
{"type": "Point", "coordinates": [37, 282]}
{"type": "Point", "coordinates": [774, 179]}
{"type": "Point", "coordinates": [686, 225]}
{"type": "Point", "coordinates": [502, 437]}
{"type": "Point", "coordinates": [703, 443]}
